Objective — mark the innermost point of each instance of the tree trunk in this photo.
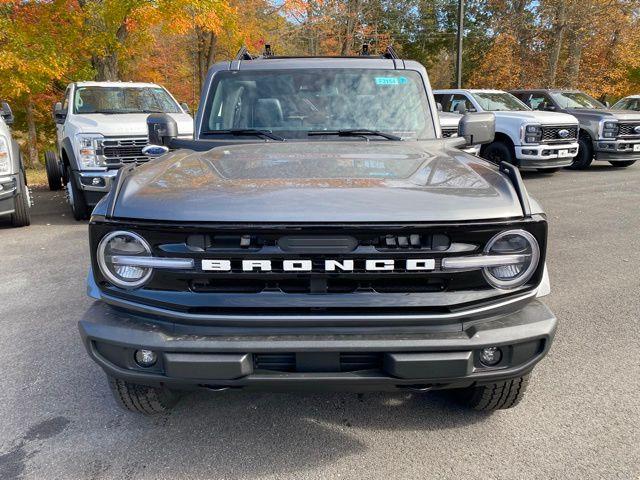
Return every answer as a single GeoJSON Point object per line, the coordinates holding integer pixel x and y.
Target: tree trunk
{"type": "Point", "coordinates": [32, 141]}
{"type": "Point", "coordinates": [575, 56]}
{"type": "Point", "coordinates": [106, 67]}
{"type": "Point", "coordinates": [522, 38]}
{"type": "Point", "coordinates": [560, 25]}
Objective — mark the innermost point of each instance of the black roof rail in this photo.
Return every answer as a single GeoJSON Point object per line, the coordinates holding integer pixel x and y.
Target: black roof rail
{"type": "Point", "coordinates": [243, 54]}
{"type": "Point", "coordinates": [518, 184]}
{"type": "Point", "coordinates": [267, 51]}
{"type": "Point", "coordinates": [390, 53]}
{"type": "Point", "coordinates": [365, 50]}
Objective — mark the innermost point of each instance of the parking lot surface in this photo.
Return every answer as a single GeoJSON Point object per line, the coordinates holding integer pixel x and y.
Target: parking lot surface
{"type": "Point", "coordinates": [581, 418]}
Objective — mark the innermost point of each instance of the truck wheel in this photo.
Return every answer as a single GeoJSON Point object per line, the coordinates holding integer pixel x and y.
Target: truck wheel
{"type": "Point", "coordinates": [141, 398]}
{"type": "Point", "coordinates": [76, 199]}
{"type": "Point", "coordinates": [494, 396]}
{"type": "Point", "coordinates": [585, 154]}
{"type": "Point", "coordinates": [21, 217]}
{"type": "Point", "coordinates": [548, 170]}
{"type": "Point", "coordinates": [497, 152]}
{"type": "Point", "coordinates": [54, 172]}
{"type": "Point", "coordinates": [626, 163]}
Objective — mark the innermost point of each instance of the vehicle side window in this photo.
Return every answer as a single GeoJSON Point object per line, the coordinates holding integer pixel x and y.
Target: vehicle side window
{"type": "Point", "coordinates": [443, 100]}
{"type": "Point", "coordinates": [460, 103]}
{"type": "Point", "coordinates": [537, 101]}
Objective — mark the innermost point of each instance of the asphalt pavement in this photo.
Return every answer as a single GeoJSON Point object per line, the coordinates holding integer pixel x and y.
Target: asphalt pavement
{"type": "Point", "coordinates": [580, 418]}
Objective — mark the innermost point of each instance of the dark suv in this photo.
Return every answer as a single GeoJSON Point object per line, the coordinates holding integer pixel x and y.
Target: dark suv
{"type": "Point", "coordinates": [609, 135]}
{"type": "Point", "coordinates": [318, 233]}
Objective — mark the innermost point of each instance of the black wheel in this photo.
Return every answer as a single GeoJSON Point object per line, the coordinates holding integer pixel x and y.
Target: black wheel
{"type": "Point", "coordinates": [21, 217]}
{"type": "Point", "coordinates": [54, 171]}
{"type": "Point", "coordinates": [497, 152]}
{"type": "Point", "coordinates": [141, 398]}
{"type": "Point", "coordinates": [494, 396]}
{"type": "Point", "coordinates": [76, 199]}
{"type": "Point", "coordinates": [585, 154]}
{"type": "Point", "coordinates": [626, 163]}
{"type": "Point", "coordinates": [548, 170]}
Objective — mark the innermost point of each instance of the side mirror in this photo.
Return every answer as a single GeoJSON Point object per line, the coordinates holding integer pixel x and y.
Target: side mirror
{"type": "Point", "coordinates": [439, 106]}
{"type": "Point", "coordinates": [7, 114]}
{"type": "Point", "coordinates": [185, 107]}
{"type": "Point", "coordinates": [59, 115]}
{"type": "Point", "coordinates": [550, 108]}
{"type": "Point", "coordinates": [607, 104]}
{"type": "Point", "coordinates": [477, 128]}
{"type": "Point", "coordinates": [461, 108]}
{"type": "Point", "coordinates": [161, 128]}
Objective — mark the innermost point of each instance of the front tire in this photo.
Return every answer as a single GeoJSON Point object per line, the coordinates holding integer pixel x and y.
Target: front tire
{"type": "Point", "coordinates": [626, 163]}
{"type": "Point", "coordinates": [141, 398]}
{"type": "Point", "coordinates": [21, 217]}
{"type": "Point", "coordinates": [585, 154]}
{"type": "Point", "coordinates": [54, 172]}
{"type": "Point", "coordinates": [497, 152]}
{"type": "Point", "coordinates": [76, 198]}
{"type": "Point", "coordinates": [494, 396]}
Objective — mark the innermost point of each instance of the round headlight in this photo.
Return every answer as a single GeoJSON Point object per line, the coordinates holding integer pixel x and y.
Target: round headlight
{"type": "Point", "coordinates": [512, 242]}
{"type": "Point", "coordinates": [123, 244]}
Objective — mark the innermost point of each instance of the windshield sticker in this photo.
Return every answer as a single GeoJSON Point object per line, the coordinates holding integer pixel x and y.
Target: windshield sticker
{"type": "Point", "coordinates": [391, 80]}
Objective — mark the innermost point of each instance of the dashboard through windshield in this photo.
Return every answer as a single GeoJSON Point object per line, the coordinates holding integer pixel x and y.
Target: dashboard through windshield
{"type": "Point", "coordinates": [497, 102]}
{"type": "Point", "coordinates": [292, 103]}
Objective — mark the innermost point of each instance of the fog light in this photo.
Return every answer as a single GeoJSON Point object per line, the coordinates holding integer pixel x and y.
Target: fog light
{"type": "Point", "coordinates": [146, 358]}
{"type": "Point", "coordinates": [490, 356]}
{"type": "Point", "coordinates": [96, 181]}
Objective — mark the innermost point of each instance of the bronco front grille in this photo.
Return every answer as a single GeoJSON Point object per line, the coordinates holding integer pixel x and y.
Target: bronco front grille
{"type": "Point", "coordinates": [628, 129]}
{"type": "Point", "coordinates": [124, 150]}
{"type": "Point", "coordinates": [551, 134]}
{"type": "Point", "coordinates": [340, 362]}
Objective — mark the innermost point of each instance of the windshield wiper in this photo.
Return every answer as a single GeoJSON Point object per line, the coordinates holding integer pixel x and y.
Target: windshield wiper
{"type": "Point", "coordinates": [355, 132]}
{"type": "Point", "coordinates": [245, 132]}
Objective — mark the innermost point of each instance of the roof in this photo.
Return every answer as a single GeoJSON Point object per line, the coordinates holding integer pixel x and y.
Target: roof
{"type": "Point", "coordinates": [280, 63]}
{"type": "Point", "coordinates": [467, 90]}
{"type": "Point", "coordinates": [558, 90]}
{"type": "Point", "coordinates": [116, 84]}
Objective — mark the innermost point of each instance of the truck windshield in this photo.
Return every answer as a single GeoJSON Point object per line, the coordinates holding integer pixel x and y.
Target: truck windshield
{"type": "Point", "coordinates": [499, 101]}
{"type": "Point", "coordinates": [576, 100]}
{"type": "Point", "coordinates": [292, 103]}
{"type": "Point", "coordinates": [629, 103]}
{"type": "Point", "coordinates": [96, 99]}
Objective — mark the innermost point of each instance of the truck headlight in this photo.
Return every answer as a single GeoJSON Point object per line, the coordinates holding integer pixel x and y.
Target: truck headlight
{"type": "Point", "coordinates": [5, 156]}
{"type": "Point", "coordinates": [532, 133]}
{"type": "Point", "coordinates": [124, 244]}
{"type": "Point", "coordinates": [512, 242]}
{"type": "Point", "coordinates": [87, 150]}
{"type": "Point", "coordinates": [609, 129]}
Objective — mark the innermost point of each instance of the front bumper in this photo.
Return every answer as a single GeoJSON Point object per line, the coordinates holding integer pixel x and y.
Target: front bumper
{"type": "Point", "coordinates": [617, 150]}
{"type": "Point", "coordinates": [288, 359]}
{"type": "Point", "coordinates": [546, 156]}
{"type": "Point", "coordinates": [95, 184]}
{"type": "Point", "coordinates": [9, 189]}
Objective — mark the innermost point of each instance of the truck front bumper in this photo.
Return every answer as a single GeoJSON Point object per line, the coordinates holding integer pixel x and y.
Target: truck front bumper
{"type": "Point", "coordinates": [358, 360]}
{"type": "Point", "coordinates": [546, 156]}
{"type": "Point", "coordinates": [617, 150]}
{"type": "Point", "coordinates": [9, 188]}
{"type": "Point", "coordinates": [95, 184]}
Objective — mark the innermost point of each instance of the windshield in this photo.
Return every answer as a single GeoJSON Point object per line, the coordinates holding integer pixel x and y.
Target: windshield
{"type": "Point", "coordinates": [631, 103]}
{"type": "Point", "coordinates": [292, 103]}
{"type": "Point", "coordinates": [123, 100]}
{"type": "Point", "coordinates": [576, 100]}
{"type": "Point", "coordinates": [497, 102]}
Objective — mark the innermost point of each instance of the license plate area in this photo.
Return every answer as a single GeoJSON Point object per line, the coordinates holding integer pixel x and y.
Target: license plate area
{"type": "Point", "coordinates": [636, 147]}
{"type": "Point", "coordinates": [563, 153]}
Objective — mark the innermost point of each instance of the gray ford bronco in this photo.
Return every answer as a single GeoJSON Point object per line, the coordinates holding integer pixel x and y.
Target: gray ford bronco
{"type": "Point", "coordinates": [605, 134]}
{"type": "Point", "coordinates": [318, 233]}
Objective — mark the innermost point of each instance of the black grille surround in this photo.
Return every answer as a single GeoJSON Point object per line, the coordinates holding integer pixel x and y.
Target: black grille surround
{"type": "Point", "coordinates": [627, 130]}
{"type": "Point", "coordinates": [120, 151]}
{"type": "Point", "coordinates": [318, 292]}
{"type": "Point", "coordinates": [550, 133]}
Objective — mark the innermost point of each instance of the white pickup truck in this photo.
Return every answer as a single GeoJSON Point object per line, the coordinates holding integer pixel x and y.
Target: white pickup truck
{"type": "Point", "coordinates": [101, 126]}
{"type": "Point", "coordinates": [544, 141]}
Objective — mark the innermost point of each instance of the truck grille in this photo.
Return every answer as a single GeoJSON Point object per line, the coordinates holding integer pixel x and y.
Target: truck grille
{"type": "Point", "coordinates": [449, 132]}
{"type": "Point", "coordinates": [628, 129]}
{"type": "Point", "coordinates": [342, 362]}
{"type": "Point", "coordinates": [551, 134]}
{"type": "Point", "coordinates": [124, 150]}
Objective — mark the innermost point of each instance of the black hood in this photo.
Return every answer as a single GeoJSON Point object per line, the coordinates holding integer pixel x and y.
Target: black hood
{"type": "Point", "coordinates": [324, 181]}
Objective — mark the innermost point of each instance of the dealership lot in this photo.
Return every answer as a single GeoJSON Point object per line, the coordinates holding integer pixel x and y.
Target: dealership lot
{"type": "Point", "coordinates": [581, 418]}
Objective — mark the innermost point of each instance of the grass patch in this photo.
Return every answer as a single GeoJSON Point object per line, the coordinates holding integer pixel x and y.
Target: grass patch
{"type": "Point", "coordinates": [37, 177]}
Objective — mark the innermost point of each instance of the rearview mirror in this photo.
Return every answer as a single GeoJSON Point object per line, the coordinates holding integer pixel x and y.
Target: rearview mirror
{"type": "Point", "coordinates": [477, 128]}
{"type": "Point", "coordinates": [7, 114]}
{"type": "Point", "coordinates": [59, 115]}
{"type": "Point", "coordinates": [161, 128]}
